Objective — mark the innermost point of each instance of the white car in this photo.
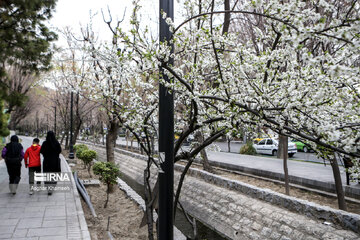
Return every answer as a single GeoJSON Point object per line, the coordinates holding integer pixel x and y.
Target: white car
{"type": "Point", "coordinates": [270, 146]}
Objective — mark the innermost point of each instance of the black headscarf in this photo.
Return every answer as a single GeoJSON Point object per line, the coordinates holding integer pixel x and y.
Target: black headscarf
{"type": "Point", "coordinates": [51, 140]}
{"type": "Point", "coordinates": [14, 147]}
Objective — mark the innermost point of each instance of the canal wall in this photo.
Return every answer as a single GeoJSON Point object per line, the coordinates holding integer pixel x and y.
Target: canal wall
{"type": "Point", "coordinates": [241, 211]}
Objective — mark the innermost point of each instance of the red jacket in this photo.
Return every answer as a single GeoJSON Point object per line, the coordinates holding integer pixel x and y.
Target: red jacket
{"type": "Point", "coordinates": [32, 156]}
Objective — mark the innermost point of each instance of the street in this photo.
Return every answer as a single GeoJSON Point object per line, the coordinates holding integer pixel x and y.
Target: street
{"type": "Point", "coordinates": [235, 148]}
{"type": "Point", "coordinates": [304, 165]}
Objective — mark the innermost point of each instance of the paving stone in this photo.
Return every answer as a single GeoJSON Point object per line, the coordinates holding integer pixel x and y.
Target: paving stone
{"type": "Point", "coordinates": [255, 236]}
{"type": "Point", "coordinates": [346, 234]}
{"type": "Point", "coordinates": [54, 223]}
{"type": "Point", "coordinates": [266, 232]}
{"type": "Point", "coordinates": [27, 238]}
{"type": "Point", "coordinates": [286, 230]}
{"type": "Point", "coordinates": [275, 235]}
{"type": "Point", "coordinates": [285, 238]}
{"type": "Point", "coordinates": [30, 223]}
{"type": "Point", "coordinates": [11, 209]}
{"type": "Point", "coordinates": [257, 216]}
{"type": "Point", "coordinates": [26, 215]}
{"type": "Point", "coordinates": [286, 219]}
{"type": "Point", "coordinates": [245, 221]}
{"type": "Point", "coordinates": [34, 209]}
{"type": "Point", "coordinates": [331, 236]}
{"type": "Point", "coordinates": [311, 238]}
{"type": "Point", "coordinates": [54, 212]}
{"type": "Point", "coordinates": [297, 235]}
{"type": "Point", "coordinates": [236, 226]}
{"type": "Point", "coordinates": [255, 226]}
{"type": "Point", "coordinates": [20, 233]}
{"type": "Point", "coordinates": [48, 231]}
{"type": "Point", "coordinates": [5, 235]}
{"type": "Point", "coordinates": [7, 229]}
{"type": "Point", "coordinates": [267, 221]}
{"type": "Point", "coordinates": [62, 237]}
{"type": "Point", "coordinates": [9, 222]}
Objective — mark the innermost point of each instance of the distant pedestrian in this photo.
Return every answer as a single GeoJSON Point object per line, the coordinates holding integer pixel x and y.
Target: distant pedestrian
{"type": "Point", "coordinates": [32, 160]}
{"type": "Point", "coordinates": [13, 153]}
{"type": "Point", "coordinates": [51, 150]}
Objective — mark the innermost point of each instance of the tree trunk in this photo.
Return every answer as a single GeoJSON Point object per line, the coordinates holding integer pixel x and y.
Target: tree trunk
{"type": "Point", "coordinates": [338, 184]}
{"type": "Point", "coordinates": [127, 135]}
{"type": "Point", "coordinates": [281, 145]}
{"type": "Point", "coordinates": [148, 204]}
{"type": "Point", "coordinates": [285, 158]}
{"type": "Point", "coordinates": [62, 139]}
{"type": "Point", "coordinates": [111, 141]}
{"type": "Point", "coordinates": [67, 140]}
{"type": "Point", "coordinates": [77, 130]}
{"type": "Point", "coordinates": [228, 139]}
{"type": "Point", "coordinates": [89, 170]}
{"type": "Point", "coordinates": [152, 142]}
{"type": "Point", "coordinates": [107, 195]}
{"type": "Point", "coordinates": [78, 120]}
{"type": "Point", "coordinates": [226, 24]}
{"type": "Point", "coordinates": [110, 144]}
{"type": "Point", "coordinates": [205, 161]}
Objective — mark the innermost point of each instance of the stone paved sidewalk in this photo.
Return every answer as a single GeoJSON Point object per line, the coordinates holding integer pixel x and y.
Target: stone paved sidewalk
{"type": "Point", "coordinates": [39, 216]}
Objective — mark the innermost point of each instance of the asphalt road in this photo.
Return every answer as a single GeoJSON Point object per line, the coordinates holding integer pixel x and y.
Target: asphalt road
{"type": "Point", "coordinates": [298, 166]}
{"type": "Point", "coordinates": [235, 148]}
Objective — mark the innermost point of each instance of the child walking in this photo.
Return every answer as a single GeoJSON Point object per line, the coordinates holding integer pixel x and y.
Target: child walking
{"type": "Point", "coordinates": [32, 160]}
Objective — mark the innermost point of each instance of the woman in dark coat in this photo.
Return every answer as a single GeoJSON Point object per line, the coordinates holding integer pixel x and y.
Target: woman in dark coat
{"type": "Point", "coordinates": [51, 150]}
{"type": "Point", "coordinates": [13, 153]}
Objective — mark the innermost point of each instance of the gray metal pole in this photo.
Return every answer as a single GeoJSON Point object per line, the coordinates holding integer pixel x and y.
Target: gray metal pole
{"type": "Point", "coordinates": [55, 122]}
{"type": "Point", "coordinates": [166, 139]}
{"type": "Point", "coordinates": [71, 147]}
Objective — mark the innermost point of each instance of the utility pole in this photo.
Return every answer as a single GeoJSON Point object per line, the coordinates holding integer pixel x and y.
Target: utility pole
{"type": "Point", "coordinates": [71, 147]}
{"type": "Point", "coordinates": [166, 137]}
{"type": "Point", "coordinates": [37, 124]}
{"type": "Point", "coordinates": [55, 122]}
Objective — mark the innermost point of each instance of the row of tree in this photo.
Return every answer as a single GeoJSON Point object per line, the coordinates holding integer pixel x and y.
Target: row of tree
{"type": "Point", "coordinates": [25, 51]}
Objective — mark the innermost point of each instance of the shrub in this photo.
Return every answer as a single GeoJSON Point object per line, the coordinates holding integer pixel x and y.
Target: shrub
{"type": "Point", "coordinates": [108, 173]}
{"type": "Point", "coordinates": [87, 156]}
{"type": "Point", "coordinates": [248, 149]}
{"type": "Point", "coordinates": [78, 148]}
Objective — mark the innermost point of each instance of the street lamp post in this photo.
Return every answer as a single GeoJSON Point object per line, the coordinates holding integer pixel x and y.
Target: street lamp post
{"type": "Point", "coordinates": [166, 138]}
{"type": "Point", "coordinates": [55, 122]}
{"type": "Point", "coordinates": [71, 148]}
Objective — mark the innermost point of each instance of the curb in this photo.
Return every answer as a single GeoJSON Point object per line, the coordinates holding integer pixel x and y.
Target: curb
{"type": "Point", "coordinates": [85, 234]}
{"type": "Point", "coordinates": [311, 183]}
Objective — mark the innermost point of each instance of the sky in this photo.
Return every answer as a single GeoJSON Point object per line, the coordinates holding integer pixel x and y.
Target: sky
{"type": "Point", "coordinates": [76, 13]}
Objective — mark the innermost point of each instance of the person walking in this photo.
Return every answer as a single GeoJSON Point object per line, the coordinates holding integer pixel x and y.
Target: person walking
{"type": "Point", "coordinates": [32, 160]}
{"type": "Point", "coordinates": [51, 149]}
{"type": "Point", "coordinates": [13, 153]}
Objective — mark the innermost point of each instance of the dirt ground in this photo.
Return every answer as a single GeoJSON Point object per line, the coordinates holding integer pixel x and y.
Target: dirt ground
{"type": "Point", "coordinates": [294, 192]}
{"type": "Point", "coordinates": [125, 215]}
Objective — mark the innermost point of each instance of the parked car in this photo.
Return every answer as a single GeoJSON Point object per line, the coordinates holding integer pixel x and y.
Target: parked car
{"type": "Point", "coordinates": [270, 146]}
{"type": "Point", "coordinates": [301, 146]}
{"type": "Point", "coordinates": [256, 140]}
